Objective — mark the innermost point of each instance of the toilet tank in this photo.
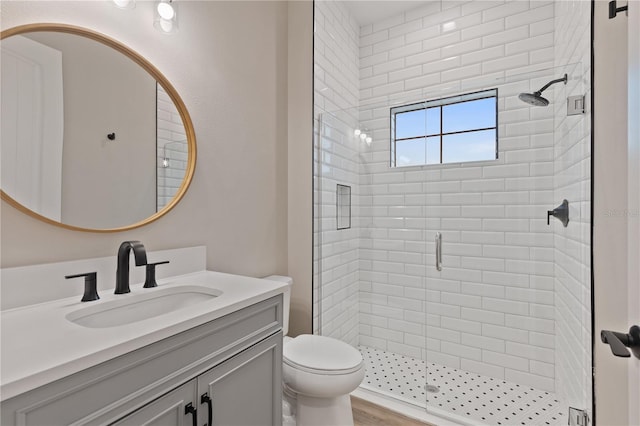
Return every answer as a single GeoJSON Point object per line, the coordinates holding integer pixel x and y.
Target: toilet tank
{"type": "Point", "coordinates": [286, 300]}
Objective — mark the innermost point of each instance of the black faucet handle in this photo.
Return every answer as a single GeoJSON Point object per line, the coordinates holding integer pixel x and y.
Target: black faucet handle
{"type": "Point", "coordinates": [150, 280]}
{"type": "Point", "coordinates": [90, 285]}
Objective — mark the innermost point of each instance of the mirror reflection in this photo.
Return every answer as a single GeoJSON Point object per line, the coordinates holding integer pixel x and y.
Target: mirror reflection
{"type": "Point", "coordinates": [89, 138]}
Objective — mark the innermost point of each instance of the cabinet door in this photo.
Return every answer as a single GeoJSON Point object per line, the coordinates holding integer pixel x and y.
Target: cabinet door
{"type": "Point", "coordinates": [168, 410]}
{"type": "Point", "coordinates": [246, 390]}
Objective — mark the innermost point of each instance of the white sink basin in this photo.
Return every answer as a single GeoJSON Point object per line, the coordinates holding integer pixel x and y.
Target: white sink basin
{"type": "Point", "coordinates": [131, 308]}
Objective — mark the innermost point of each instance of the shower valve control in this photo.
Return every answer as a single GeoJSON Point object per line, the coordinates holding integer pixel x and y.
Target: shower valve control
{"type": "Point", "coordinates": [561, 213]}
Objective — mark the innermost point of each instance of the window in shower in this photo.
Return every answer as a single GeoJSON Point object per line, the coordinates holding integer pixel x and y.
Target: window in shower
{"type": "Point", "coordinates": [455, 129]}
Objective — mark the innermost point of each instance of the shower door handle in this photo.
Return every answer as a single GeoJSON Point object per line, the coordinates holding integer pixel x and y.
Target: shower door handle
{"type": "Point", "coordinates": [438, 251]}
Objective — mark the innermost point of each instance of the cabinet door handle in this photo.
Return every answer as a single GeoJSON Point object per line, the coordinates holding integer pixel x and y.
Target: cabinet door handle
{"type": "Point", "coordinates": [190, 409]}
{"type": "Point", "coordinates": [205, 399]}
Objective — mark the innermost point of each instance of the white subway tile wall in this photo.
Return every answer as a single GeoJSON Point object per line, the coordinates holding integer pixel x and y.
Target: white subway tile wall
{"type": "Point", "coordinates": [336, 82]}
{"type": "Point", "coordinates": [171, 147]}
{"type": "Point", "coordinates": [572, 170]}
{"type": "Point", "coordinates": [512, 301]}
{"type": "Point", "coordinates": [481, 303]}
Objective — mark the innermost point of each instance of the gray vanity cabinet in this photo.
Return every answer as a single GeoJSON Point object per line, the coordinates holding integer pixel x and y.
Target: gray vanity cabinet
{"type": "Point", "coordinates": [236, 360]}
{"type": "Point", "coordinates": [242, 391]}
{"type": "Point", "coordinates": [168, 410]}
{"type": "Point", "coordinates": [246, 390]}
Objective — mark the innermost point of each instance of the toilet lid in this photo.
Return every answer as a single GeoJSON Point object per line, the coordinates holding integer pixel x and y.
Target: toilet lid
{"type": "Point", "coordinates": [312, 352]}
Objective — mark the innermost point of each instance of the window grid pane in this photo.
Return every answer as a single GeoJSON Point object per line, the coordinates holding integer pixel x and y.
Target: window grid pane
{"type": "Point", "coordinates": [451, 130]}
{"type": "Point", "coordinates": [469, 146]}
{"type": "Point", "coordinates": [469, 115]}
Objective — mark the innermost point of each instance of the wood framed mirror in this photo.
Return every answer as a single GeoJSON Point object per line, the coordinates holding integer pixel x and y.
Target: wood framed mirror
{"type": "Point", "coordinates": [94, 138]}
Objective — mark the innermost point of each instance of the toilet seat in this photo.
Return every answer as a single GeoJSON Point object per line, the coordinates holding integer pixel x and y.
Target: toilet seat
{"type": "Point", "coordinates": [321, 372]}
{"type": "Point", "coordinates": [321, 355]}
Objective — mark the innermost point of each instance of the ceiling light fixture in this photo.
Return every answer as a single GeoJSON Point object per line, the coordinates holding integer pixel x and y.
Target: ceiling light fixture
{"type": "Point", "coordinates": [166, 17]}
{"type": "Point", "coordinates": [124, 4]}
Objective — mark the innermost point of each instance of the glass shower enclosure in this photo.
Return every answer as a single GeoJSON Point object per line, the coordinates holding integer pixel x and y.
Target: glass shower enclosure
{"type": "Point", "coordinates": [445, 263]}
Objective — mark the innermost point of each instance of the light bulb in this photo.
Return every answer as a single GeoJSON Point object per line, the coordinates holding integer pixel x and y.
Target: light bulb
{"type": "Point", "coordinates": [363, 136]}
{"type": "Point", "coordinates": [166, 18]}
{"type": "Point", "coordinates": [165, 10]}
{"type": "Point", "coordinates": [165, 162]}
{"type": "Point", "coordinates": [125, 4]}
{"type": "Point", "coordinates": [357, 132]}
{"type": "Point", "coordinates": [369, 140]}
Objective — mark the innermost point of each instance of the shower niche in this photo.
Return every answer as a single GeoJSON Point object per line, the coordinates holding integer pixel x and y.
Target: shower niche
{"type": "Point", "coordinates": [343, 206]}
{"type": "Point", "coordinates": [502, 333]}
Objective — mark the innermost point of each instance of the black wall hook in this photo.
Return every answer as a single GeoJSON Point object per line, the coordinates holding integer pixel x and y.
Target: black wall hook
{"type": "Point", "coordinates": [111, 136]}
{"type": "Point", "coordinates": [614, 9]}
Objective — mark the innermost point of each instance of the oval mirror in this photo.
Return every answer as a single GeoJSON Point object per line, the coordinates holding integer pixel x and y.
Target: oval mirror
{"type": "Point", "coordinates": [93, 137]}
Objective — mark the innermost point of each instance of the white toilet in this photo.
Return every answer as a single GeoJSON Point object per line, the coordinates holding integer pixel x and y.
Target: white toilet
{"type": "Point", "coordinates": [318, 373]}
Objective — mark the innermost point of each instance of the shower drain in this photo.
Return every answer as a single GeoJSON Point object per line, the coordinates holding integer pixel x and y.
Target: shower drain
{"type": "Point", "coordinates": [432, 388]}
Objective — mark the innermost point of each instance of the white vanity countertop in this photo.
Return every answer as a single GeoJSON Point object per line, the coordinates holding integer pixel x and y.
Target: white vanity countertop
{"type": "Point", "coordinates": [39, 345]}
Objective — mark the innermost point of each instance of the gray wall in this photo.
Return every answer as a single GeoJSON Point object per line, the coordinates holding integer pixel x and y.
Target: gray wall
{"type": "Point", "coordinates": [300, 193]}
{"type": "Point", "coordinates": [229, 63]}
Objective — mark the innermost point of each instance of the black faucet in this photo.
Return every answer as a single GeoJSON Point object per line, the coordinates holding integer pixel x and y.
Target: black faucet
{"type": "Point", "coordinates": [122, 273]}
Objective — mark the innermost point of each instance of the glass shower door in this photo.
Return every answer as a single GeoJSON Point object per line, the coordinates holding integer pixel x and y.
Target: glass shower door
{"type": "Point", "coordinates": [336, 298]}
{"type": "Point", "coordinates": [507, 316]}
{"type": "Point", "coordinates": [371, 274]}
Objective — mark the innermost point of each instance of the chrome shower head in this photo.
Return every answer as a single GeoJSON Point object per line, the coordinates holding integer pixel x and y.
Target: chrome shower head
{"type": "Point", "coordinates": [536, 98]}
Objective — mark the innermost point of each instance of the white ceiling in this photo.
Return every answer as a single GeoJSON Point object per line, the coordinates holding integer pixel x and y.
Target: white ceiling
{"type": "Point", "coordinates": [370, 11]}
